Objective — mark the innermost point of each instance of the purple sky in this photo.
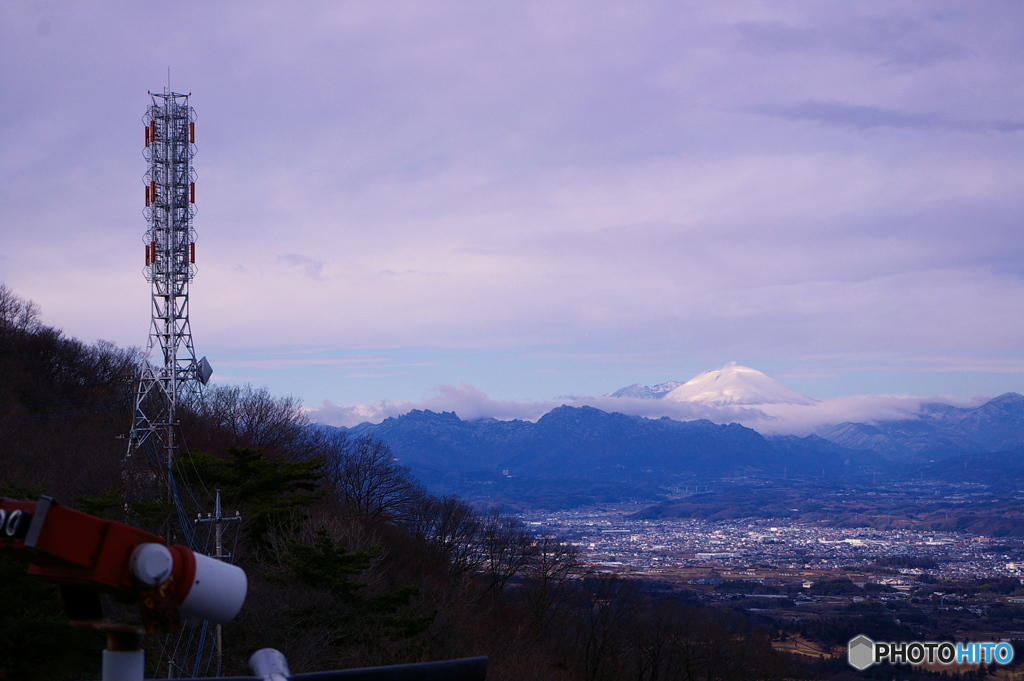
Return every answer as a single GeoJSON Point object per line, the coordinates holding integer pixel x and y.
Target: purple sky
{"type": "Point", "coordinates": [486, 205]}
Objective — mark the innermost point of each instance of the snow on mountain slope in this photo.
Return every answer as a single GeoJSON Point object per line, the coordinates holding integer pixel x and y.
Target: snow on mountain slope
{"type": "Point", "coordinates": [736, 384]}
{"type": "Point", "coordinates": [646, 392]}
{"type": "Point", "coordinates": [730, 385]}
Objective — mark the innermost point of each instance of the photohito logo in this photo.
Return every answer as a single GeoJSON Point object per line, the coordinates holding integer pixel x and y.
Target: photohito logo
{"type": "Point", "coordinates": [862, 652]}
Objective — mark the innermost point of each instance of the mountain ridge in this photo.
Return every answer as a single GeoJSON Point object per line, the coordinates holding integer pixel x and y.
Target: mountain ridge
{"type": "Point", "coordinates": [941, 431]}
{"type": "Point", "coordinates": [588, 443]}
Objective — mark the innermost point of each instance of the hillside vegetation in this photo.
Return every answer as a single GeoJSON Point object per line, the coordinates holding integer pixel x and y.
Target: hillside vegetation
{"type": "Point", "coordinates": [350, 561]}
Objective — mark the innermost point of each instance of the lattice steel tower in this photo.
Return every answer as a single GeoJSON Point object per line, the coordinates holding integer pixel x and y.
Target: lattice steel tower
{"type": "Point", "coordinates": [170, 375]}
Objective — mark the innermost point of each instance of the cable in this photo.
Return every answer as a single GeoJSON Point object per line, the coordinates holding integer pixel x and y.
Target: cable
{"type": "Point", "coordinates": [199, 649]}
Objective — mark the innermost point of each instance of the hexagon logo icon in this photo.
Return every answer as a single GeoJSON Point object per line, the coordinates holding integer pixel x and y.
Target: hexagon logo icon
{"type": "Point", "coordinates": [860, 652]}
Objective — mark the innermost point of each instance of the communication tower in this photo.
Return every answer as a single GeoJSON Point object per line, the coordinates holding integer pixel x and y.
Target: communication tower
{"type": "Point", "coordinates": [171, 376]}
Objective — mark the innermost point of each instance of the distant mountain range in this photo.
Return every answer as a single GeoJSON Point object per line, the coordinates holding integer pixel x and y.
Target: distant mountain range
{"type": "Point", "coordinates": [941, 431]}
{"type": "Point", "coordinates": [579, 446]}
{"type": "Point", "coordinates": [573, 442]}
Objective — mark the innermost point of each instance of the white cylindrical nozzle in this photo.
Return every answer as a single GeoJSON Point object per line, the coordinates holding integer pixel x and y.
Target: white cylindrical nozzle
{"type": "Point", "coordinates": [217, 592]}
{"type": "Point", "coordinates": [123, 665]}
{"type": "Point", "coordinates": [151, 563]}
{"type": "Point", "coordinates": [269, 665]}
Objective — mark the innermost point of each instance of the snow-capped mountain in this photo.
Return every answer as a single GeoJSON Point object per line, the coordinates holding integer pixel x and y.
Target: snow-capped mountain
{"type": "Point", "coordinates": [730, 385]}
{"type": "Point", "coordinates": [735, 384]}
{"type": "Point", "coordinates": [647, 392]}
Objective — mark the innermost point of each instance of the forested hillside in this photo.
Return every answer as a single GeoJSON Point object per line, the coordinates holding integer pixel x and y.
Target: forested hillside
{"type": "Point", "coordinates": [350, 561]}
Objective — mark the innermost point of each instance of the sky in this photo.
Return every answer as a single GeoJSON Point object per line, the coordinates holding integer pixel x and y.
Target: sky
{"type": "Point", "coordinates": [495, 208]}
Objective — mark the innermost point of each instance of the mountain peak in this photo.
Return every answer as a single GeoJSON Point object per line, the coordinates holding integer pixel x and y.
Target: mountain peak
{"type": "Point", "coordinates": [646, 392]}
{"type": "Point", "coordinates": [735, 384]}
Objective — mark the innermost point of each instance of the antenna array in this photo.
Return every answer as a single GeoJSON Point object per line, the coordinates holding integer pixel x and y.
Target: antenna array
{"type": "Point", "coordinates": [170, 376]}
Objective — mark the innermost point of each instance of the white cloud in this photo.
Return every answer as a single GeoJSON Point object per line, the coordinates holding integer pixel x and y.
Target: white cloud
{"type": "Point", "coordinates": [470, 403]}
{"type": "Point", "coordinates": [467, 401]}
{"type": "Point", "coordinates": [701, 179]}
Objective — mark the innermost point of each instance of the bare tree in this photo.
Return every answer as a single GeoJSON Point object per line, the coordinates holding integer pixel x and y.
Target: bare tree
{"type": "Point", "coordinates": [369, 482]}
{"type": "Point", "coordinates": [554, 565]}
{"type": "Point", "coordinates": [248, 417]}
{"type": "Point", "coordinates": [601, 632]}
{"type": "Point", "coordinates": [450, 527]}
{"type": "Point", "coordinates": [17, 313]}
{"type": "Point", "coordinates": [506, 548]}
{"type": "Point", "coordinates": [656, 640]}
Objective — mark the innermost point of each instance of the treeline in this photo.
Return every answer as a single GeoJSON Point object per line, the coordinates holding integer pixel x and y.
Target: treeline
{"type": "Point", "coordinates": [351, 562]}
{"type": "Point", "coordinates": [62, 405]}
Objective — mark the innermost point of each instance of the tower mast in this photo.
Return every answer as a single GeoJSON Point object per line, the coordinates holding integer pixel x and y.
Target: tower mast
{"type": "Point", "coordinates": [170, 374]}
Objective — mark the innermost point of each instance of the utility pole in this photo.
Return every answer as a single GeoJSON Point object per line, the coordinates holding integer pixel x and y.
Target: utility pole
{"type": "Point", "coordinates": [218, 520]}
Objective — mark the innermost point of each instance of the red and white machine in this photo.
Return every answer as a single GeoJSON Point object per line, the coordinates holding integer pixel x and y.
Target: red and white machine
{"type": "Point", "coordinates": [88, 556]}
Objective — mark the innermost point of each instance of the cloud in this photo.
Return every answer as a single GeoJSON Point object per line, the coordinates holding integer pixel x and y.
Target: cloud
{"type": "Point", "coordinates": [793, 419]}
{"type": "Point", "coordinates": [314, 360]}
{"type": "Point", "coordinates": [891, 38]}
{"type": "Point", "coordinates": [470, 403]}
{"type": "Point", "coordinates": [866, 117]}
{"type": "Point", "coordinates": [700, 180]}
{"type": "Point", "coordinates": [313, 269]}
